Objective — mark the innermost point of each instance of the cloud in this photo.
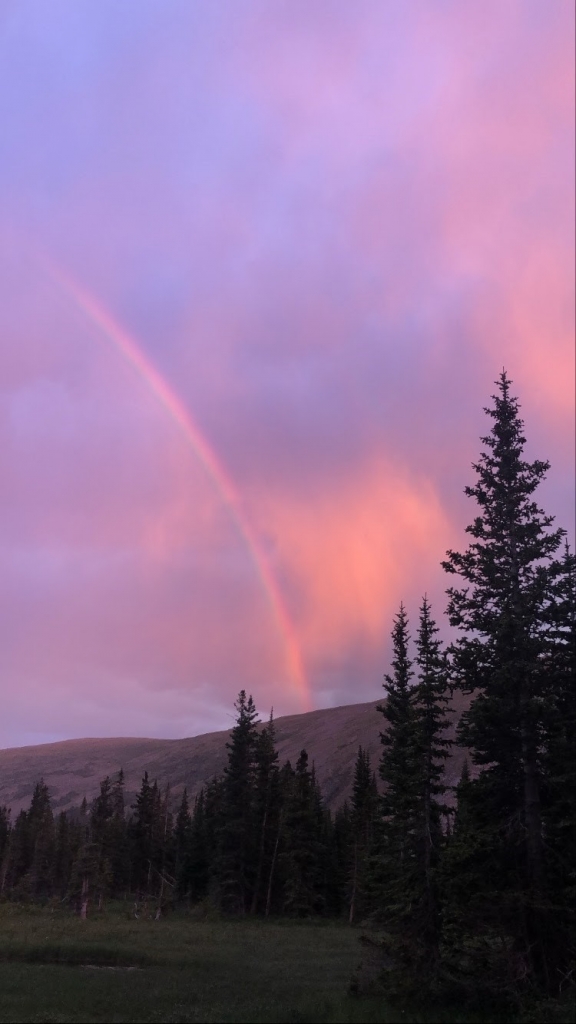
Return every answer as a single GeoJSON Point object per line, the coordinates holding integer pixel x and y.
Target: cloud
{"type": "Point", "coordinates": [346, 560]}
{"type": "Point", "coordinates": [328, 226]}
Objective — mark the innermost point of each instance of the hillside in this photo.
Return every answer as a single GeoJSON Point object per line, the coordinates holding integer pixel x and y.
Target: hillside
{"type": "Point", "coordinates": [73, 769]}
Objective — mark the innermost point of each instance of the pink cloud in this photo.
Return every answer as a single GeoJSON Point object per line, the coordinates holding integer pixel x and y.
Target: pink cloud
{"type": "Point", "coordinates": [350, 556]}
{"type": "Point", "coordinates": [328, 226]}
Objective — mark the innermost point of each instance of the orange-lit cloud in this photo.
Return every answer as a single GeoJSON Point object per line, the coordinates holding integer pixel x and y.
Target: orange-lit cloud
{"type": "Point", "coordinates": [350, 556]}
{"type": "Point", "coordinates": [327, 227]}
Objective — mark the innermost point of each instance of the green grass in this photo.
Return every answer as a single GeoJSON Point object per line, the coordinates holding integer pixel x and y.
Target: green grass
{"type": "Point", "coordinates": [56, 968]}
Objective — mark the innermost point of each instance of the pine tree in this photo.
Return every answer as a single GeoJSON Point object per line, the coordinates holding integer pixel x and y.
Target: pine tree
{"type": "Point", "coordinates": [462, 877]}
{"type": "Point", "coordinates": [18, 856]}
{"type": "Point", "coordinates": [146, 839]}
{"type": "Point", "coordinates": [166, 854]}
{"type": "Point", "coordinates": [101, 812]}
{"type": "Point", "coordinates": [266, 809]}
{"type": "Point", "coordinates": [362, 821]}
{"type": "Point", "coordinates": [341, 851]}
{"type": "Point", "coordinates": [275, 880]}
{"type": "Point", "coordinates": [86, 879]}
{"type": "Point", "coordinates": [182, 842]}
{"type": "Point", "coordinates": [399, 771]}
{"type": "Point", "coordinates": [501, 657]}
{"type": "Point", "coordinates": [303, 857]}
{"type": "Point", "coordinates": [202, 881]}
{"type": "Point", "coordinates": [68, 841]}
{"type": "Point", "coordinates": [119, 849]}
{"type": "Point", "coordinates": [431, 711]}
{"type": "Point", "coordinates": [101, 816]}
{"type": "Point", "coordinates": [238, 839]}
{"type": "Point", "coordinates": [41, 839]}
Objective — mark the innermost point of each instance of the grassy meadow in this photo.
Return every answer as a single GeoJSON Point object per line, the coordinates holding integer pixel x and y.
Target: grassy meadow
{"type": "Point", "coordinates": [115, 968]}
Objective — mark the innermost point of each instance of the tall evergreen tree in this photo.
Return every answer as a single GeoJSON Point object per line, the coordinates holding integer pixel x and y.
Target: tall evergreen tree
{"type": "Point", "coordinates": [362, 820]}
{"type": "Point", "coordinates": [399, 771]}
{"type": "Point", "coordinates": [166, 858]}
{"type": "Point", "coordinates": [501, 656]}
{"type": "Point", "coordinates": [432, 720]}
{"type": "Point", "coordinates": [28, 869]}
{"type": "Point", "coordinates": [182, 844]}
{"type": "Point", "coordinates": [266, 809]}
{"type": "Point", "coordinates": [18, 854]}
{"type": "Point", "coordinates": [68, 840]}
{"type": "Point", "coordinates": [462, 883]}
{"type": "Point", "coordinates": [303, 857]}
{"type": "Point", "coordinates": [205, 843]}
{"type": "Point", "coordinates": [41, 838]}
{"type": "Point", "coordinates": [119, 851]}
{"type": "Point", "coordinates": [146, 839]}
{"type": "Point", "coordinates": [275, 880]}
{"type": "Point", "coordinates": [410, 833]}
{"type": "Point", "coordinates": [341, 865]}
{"type": "Point", "coordinates": [102, 839]}
{"type": "Point", "coordinates": [238, 839]}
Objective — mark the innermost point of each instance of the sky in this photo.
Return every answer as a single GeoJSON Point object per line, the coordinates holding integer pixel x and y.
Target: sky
{"type": "Point", "coordinates": [260, 266]}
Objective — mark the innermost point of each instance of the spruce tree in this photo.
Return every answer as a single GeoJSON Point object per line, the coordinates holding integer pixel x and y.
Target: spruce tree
{"type": "Point", "coordinates": [68, 840]}
{"type": "Point", "coordinates": [238, 838]}
{"type": "Point", "coordinates": [38, 879]}
{"type": "Point", "coordinates": [266, 809]}
{"type": "Point", "coordinates": [204, 859]}
{"type": "Point", "coordinates": [88, 877]}
{"type": "Point", "coordinates": [166, 854]}
{"type": "Point", "coordinates": [410, 833]}
{"type": "Point", "coordinates": [276, 878]}
{"type": "Point", "coordinates": [303, 857]}
{"type": "Point", "coordinates": [146, 839]}
{"type": "Point", "coordinates": [341, 863]}
{"type": "Point", "coordinates": [18, 855]}
{"type": "Point", "coordinates": [462, 877]}
{"type": "Point", "coordinates": [362, 823]}
{"type": "Point", "coordinates": [501, 657]}
{"type": "Point", "coordinates": [399, 770]}
{"type": "Point", "coordinates": [102, 838]}
{"type": "Point", "coordinates": [182, 842]}
{"type": "Point", "coordinates": [431, 699]}
{"type": "Point", "coordinates": [119, 849]}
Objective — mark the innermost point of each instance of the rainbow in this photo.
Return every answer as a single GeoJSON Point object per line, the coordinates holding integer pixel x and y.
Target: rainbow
{"type": "Point", "coordinates": [133, 354]}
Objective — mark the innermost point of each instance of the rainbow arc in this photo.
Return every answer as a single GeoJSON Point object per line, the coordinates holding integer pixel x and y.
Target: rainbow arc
{"type": "Point", "coordinates": [127, 346]}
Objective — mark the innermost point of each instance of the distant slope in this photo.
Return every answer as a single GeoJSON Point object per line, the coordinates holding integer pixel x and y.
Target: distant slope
{"type": "Point", "coordinates": [73, 769]}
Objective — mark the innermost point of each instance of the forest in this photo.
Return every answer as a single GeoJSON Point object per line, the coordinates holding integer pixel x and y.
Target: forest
{"type": "Point", "coordinates": [468, 895]}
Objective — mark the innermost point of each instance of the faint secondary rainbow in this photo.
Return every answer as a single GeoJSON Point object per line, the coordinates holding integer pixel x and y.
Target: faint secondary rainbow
{"type": "Point", "coordinates": [133, 354]}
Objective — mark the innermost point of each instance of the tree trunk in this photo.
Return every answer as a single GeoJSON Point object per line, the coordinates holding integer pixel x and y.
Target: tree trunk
{"type": "Point", "coordinates": [272, 867]}
{"type": "Point", "coordinates": [158, 914]}
{"type": "Point", "coordinates": [84, 898]}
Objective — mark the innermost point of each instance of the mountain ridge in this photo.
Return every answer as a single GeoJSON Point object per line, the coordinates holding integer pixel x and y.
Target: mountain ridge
{"type": "Point", "coordinates": [73, 769]}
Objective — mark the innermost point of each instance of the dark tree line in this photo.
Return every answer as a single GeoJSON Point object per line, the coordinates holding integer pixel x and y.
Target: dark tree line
{"type": "Point", "coordinates": [471, 895]}
{"type": "Point", "coordinates": [258, 840]}
{"type": "Point", "coordinates": [481, 903]}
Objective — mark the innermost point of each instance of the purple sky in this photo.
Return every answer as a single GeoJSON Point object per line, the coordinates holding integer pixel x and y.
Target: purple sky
{"type": "Point", "coordinates": [327, 226]}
